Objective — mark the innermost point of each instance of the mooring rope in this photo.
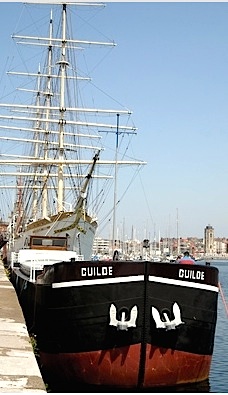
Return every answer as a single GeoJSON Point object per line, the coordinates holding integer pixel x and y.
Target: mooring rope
{"type": "Point", "coordinates": [223, 298]}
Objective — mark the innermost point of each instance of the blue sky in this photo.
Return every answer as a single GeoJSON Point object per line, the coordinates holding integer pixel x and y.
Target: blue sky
{"type": "Point", "coordinates": [174, 64]}
{"type": "Point", "coordinates": [170, 67]}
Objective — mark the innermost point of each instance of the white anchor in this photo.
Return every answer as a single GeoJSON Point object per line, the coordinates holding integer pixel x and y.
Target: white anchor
{"type": "Point", "coordinates": [167, 324]}
{"type": "Point", "coordinates": [123, 325]}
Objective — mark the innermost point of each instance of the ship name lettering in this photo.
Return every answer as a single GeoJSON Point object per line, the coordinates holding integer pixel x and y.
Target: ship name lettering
{"type": "Point", "coordinates": [191, 274]}
{"type": "Point", "coordinates": [92, 271]}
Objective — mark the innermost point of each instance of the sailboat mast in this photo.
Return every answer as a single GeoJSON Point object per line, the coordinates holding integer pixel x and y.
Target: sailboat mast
{"type": "Point", "coordinates": [48, 104]}
{"type": "Point", "coordinates": [115, 184]}
{"type": "Point", "coordinates": [36, 148]}
{"type": "Point", "coordinates": [63, 64]}
{"type": "Point", "coordinates": [178, 239]}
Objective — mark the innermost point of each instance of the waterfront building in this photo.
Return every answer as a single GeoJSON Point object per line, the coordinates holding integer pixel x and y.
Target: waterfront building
{"type": "Point", "coordinates": [209, 240]}
{"type": "Point", "coordinates": [221, 246]}
{"type": "Point", "coordinates": [166, 248]}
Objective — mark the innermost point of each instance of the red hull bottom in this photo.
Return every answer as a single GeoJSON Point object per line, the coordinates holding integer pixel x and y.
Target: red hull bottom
{"type": "Point", "coordinates": [120, 367]}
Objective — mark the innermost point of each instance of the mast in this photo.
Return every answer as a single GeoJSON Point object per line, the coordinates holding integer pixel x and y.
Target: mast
{"type": "Point", "coordinates": [36, 135]}
{"type": "Point", "coordinates": [63, 64]}
{"type": "Point", "coordinates": [115, 184]}
{"type": "Point", "coordinates": [47, 128]}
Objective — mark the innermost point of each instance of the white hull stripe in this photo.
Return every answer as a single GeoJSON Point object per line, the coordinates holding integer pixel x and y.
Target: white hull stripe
{"type": "Point", "coordinates": [183, 283]}
{"type": "Point", "coordinates": [130, 279]}
{"type": "Point", "coordinates": [98, 281]}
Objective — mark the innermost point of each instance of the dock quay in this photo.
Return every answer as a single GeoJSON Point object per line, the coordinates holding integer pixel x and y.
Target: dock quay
{"type": "Point", "coordinates": [19, 370]}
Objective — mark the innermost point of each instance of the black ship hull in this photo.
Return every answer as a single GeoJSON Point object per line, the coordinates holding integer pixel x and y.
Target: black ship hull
{"type": "Point", "coordinates": [123, 324]}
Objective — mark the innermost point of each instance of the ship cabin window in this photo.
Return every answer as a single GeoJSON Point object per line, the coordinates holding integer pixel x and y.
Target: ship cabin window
{"type": "Point", "coordinates": [52, 243]}
{"type": "Point", "coordinates": [59, 242]}
{"type": "Point", "coordinates": [37, 242]}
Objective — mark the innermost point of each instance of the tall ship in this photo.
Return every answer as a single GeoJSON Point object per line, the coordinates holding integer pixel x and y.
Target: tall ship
{"type": "Point", "coordinates": [51, 148]}
{"type": "Point", "coordinates": [117, 323]}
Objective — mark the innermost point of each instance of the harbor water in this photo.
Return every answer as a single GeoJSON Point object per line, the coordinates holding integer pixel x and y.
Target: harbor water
{"type": "Point", "coordinates": [218, 380]}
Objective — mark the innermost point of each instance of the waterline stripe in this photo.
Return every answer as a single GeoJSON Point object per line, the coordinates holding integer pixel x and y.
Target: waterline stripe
{"type": "Point", "coordinates": [183, 283]}
{"type": "Point", "coordinates": [109, 280]}
{"type": "Point", "coordinates": [98, 281]}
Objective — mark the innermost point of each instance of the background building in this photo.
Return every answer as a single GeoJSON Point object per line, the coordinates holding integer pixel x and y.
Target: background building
{"type": "Point", "coordinates": [165, 248]}
{"type": "Point", "coordinates": [209, 240]}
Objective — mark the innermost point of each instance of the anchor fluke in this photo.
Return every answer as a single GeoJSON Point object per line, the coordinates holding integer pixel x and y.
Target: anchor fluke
{"type": "Point", "coordinates": [177, 314]}
{"type": "Point", "coordinates": [156, 316]}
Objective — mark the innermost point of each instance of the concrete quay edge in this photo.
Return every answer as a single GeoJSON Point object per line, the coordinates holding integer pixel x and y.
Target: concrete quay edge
{"type": "Point", "coordinates": [19, 370]}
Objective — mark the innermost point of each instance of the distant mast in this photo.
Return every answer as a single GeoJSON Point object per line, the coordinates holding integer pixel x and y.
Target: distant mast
{"type": "Point", "coordinates": [178, 240]}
